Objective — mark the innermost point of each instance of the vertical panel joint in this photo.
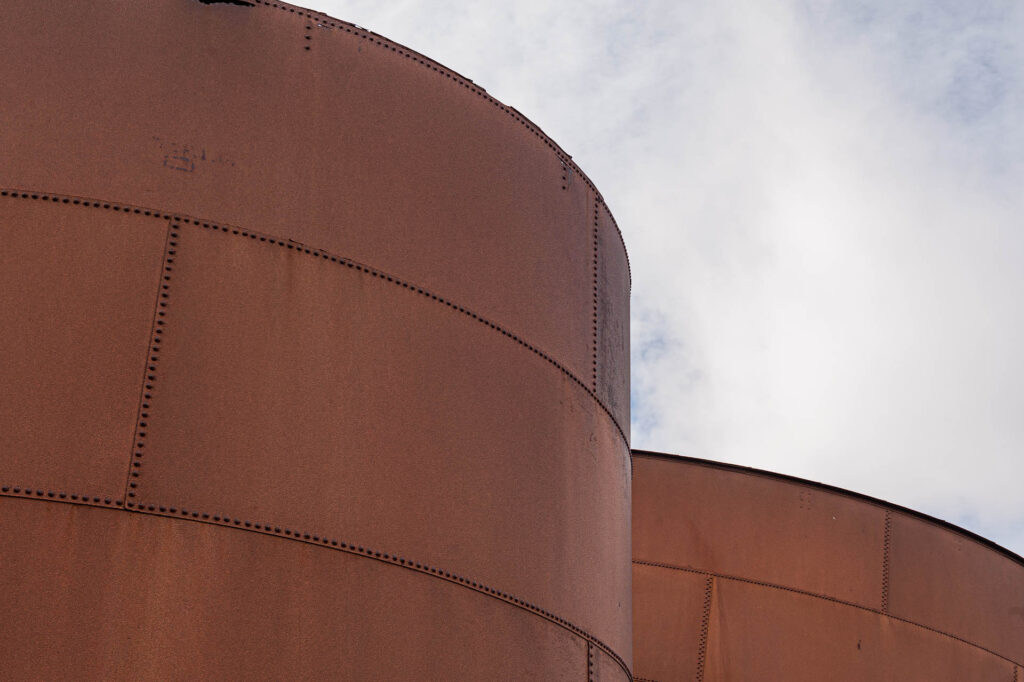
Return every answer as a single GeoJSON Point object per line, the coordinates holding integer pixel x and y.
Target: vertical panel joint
{"type": "Point", "coordinates": [886, 550]}
{"type": "Point", "coordinates": [705, 625]}
{"type": "Point", "coordinates": [593, 358]}
{"type": "Point", "coordinates": [149, 374]}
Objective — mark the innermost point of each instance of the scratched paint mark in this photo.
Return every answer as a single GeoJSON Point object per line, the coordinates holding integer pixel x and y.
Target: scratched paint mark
{"type": "Point", "coordinates": [186, 157]}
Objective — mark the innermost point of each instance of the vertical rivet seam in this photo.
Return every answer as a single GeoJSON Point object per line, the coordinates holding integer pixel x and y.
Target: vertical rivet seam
{"type": "Point", "coordinates": [886, 548]}
{"type": "Point", "coordinates": [705, 624]}
{"type": "Point", "coordinates": [594, 349]}
{"type": "Point", "coordinates": [152, 361]}
{"type": "Point", "coordinates": [317, 253]}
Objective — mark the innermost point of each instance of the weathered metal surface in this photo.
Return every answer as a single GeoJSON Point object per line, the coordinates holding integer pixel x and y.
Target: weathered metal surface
{"type": "Point", "coordinates": [668, 605]}
{"type": "Point", "coordinates": [611, 309]}
{"type": "Point", "coordinates": [265, 270]}
{"type": "Point", "coordinates": [301, 392]}
{"type": "Point", "coordinates": [763, 633]}
{"type": "Point", "coordinates": [799, 581]}
{"type": "Point", "coordinates": [355, 145]}
{"type": "Point", "coordinates": [77, 288]}
{"type": "Point", "coordinates": [602, 668]}
{"type": "Point", "coordinates": [701, 516]}
{"type": "Point", "coordinates": [101, 595]}
{"type": "Point", "coordinates": [952, 583]}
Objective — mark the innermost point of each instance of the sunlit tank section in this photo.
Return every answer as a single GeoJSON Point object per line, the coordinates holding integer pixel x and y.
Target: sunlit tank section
{"type": "Point", "coordinates": [741, 574]}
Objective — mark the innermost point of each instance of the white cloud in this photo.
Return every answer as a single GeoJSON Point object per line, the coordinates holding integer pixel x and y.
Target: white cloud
{"type": "Point", "coordinates": [822, 205]}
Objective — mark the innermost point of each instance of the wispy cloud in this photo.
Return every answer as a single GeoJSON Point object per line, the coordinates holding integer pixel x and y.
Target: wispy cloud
{"type": "Point", "coordinates": [823, 209]}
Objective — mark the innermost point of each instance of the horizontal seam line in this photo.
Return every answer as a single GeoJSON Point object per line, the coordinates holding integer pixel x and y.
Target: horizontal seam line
{"type": "Point", "coordinates": [763, 474]}
{"type": "Point", "coordinates": [409, 53]}
{"type": "Point", "coordinates": [317, 541]}
{"type": "Point", "coordinates": [836, 600]}
{"type": "Point", "coordinates": [227, 228]}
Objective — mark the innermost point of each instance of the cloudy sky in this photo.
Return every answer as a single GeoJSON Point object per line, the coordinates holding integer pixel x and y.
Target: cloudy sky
{"type": "Point", "coordinates": [823, 206]}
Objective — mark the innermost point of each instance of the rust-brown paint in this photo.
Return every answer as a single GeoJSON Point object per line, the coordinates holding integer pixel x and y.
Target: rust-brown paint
{"type": "Point", "coordinates": [352, 147]}
{"type": "Point", "coordinates": [301, 335]}
{"type": "Point", "coordinates": [77, 289]}
{"type": "Point", "coordinates": [956, 585]}
{"type": "Point", "coordinates": [98, 594]}
{"type": "Point", "coordinates": [316, 366]}
{"type": "Point", "coordinates": [801, 581]}
{"type": "Point", "coordinates": [385, 417]}
{"type": "Point", "coordinates": [761, 633]}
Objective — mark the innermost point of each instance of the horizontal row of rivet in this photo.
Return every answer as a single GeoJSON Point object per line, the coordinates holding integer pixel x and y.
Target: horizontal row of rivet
{"type": "Point", "coordinates": [807, 593]}
{"type": "Point", "coordinates": [461, 80]}
{"type": "Point", "coordinates": [323, 255]}
{"type": "Point", "coordinates": [169, 511]}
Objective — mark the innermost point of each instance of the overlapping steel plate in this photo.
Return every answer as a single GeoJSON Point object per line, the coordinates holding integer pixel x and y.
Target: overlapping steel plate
{"type": "Point", "coordinates": [742, 574]}
{"type": "Point", "coordinates": [99, 594]}
{"type": "Point", "coordinates": [316, 359]}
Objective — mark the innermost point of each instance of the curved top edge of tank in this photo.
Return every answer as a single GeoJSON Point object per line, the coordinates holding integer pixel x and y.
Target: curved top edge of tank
{"type": "Point", "coordinates": [562, 155]}
{"type": "Point", "coordinates": [737, 468]}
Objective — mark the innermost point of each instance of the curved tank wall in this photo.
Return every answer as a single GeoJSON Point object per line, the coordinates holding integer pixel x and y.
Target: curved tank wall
{"type": "Point", "coordinates": [741, 574]}
{"type": "Point", "coordinates": [316, 359]}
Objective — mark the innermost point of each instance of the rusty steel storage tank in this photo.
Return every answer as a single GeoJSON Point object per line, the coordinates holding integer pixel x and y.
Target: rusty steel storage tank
{"type": "Point", "coordinates": [315, 365]}
{"type": "Point", "coordinates": [315, 360]}
{"type": "Point", "coordinates": [740, 574]}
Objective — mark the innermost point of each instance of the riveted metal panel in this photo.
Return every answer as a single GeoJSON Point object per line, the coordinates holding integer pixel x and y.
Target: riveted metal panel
{"type": "Point", "coordinates": [367, 319]}
{"type": "Point", "coordinates": [765, 633]}
{"type": "Point", "coordinates": [952, 583]}
{"type": "Point", "coordinates": [78, 288]}
{"type": "Point", "coordinates": [946, 601]}
{"type": "Point", "coordinates": [668, 610]}
{"type": "Point", "coordinates": [104, 594]}
{"type": "Point", "coordinates": [711, 519]}
{"type": "Point", "coordinates": [478, 192]}
{"type": "Point", "coordinates": [611, 310]}
{"type": "Point", "coordinates": [602, 668]}
{"type": "Point", "coordinates": [312, 130]}
{"type": "Point", "coordinates": [301, 392]}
